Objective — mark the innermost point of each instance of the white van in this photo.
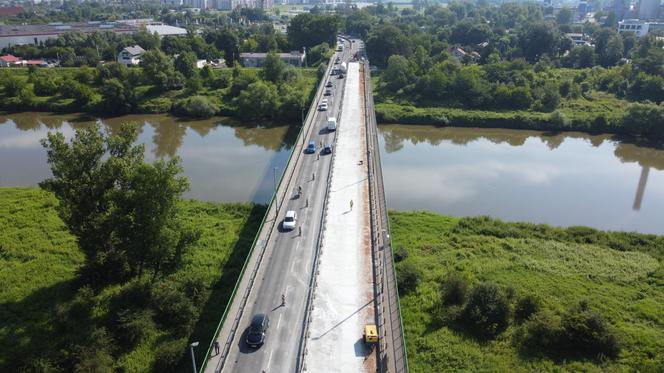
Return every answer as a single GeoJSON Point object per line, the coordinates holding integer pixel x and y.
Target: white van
{"type": "Point", "coordinates": [331, 123]}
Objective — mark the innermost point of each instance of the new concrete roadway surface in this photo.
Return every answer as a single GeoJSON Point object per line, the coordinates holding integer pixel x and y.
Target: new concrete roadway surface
{"type": "Point", "coordinates": [286, 264]}
{"type": "Point", "coordinates": [344, 294]}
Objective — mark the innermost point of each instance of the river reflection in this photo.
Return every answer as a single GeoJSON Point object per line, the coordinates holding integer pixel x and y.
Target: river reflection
{"type": "Point", "coordinates": [557, 178]}
{"type": "Point", "coordinates": [224, 160]}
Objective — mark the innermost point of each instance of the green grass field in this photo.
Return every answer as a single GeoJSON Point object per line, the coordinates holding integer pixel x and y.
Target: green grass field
{"type": "Point", "coordinates": [619, 274]}
{"type": "Point", "coordinates": [39, 260]}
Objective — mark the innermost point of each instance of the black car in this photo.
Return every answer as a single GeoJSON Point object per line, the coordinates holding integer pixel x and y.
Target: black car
{"type": "Point", "coordinates": [256, 334]}
{"type": "Point", "coordinates": [329, 84]}
{"type": "Point", "coordinates": [327, 149]}
{"type": "Point", "coordinates": [341, 76]}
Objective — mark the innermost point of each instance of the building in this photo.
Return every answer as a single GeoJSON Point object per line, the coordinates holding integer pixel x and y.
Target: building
{"type": "Point", "coordinates": [294, 58]}
{"type": "Point", "coordinates": [580, 39]}
{"type": "Point", "coordinates": [165, 30]}
{"type": "Point", "coordinates": [639, 27]}
{"type": "Point", "coordinates": [37, 34]}
{"type": "Point", "coordinates": [621, 9]}
{"type": "Point", "coordinates": [9, 60]}
{"type": "Point", "coordinates": [649, 9]}
{"type": "Point", "coordinates": [461, 55]}
{"type": "Point", "coordinates": [131, 56]}
{"type": "Point", "coordinates": [10, 11]}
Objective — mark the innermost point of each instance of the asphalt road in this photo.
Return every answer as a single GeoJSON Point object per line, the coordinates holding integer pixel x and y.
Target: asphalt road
{"type": "Point", "coordinates": [286, 267]}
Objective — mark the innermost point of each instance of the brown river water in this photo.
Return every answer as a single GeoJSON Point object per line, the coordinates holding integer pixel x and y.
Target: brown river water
{"type": "Point", "coordinates": [561, 179]}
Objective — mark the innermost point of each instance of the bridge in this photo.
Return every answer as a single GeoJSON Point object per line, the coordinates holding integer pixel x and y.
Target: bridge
{"type": "Point", "coordinates": [320, 283]}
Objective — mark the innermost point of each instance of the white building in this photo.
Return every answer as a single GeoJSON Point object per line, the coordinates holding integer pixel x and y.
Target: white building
{"type": "Point", "coordinates": [637, 26]}
{"type": "Point", "coordinates": [131, 56]}
{"type": "Point", "coordinates": [165, 30]}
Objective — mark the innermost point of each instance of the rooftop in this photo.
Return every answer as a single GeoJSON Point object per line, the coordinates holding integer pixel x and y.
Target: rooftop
{"type": "Point", "coordinates": [61, 28]}
{"type": "Point", "coordinates": [165, 30]}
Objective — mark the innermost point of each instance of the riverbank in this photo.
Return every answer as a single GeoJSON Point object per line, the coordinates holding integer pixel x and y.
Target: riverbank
{"type": "Point", "coordinates": [612, 116]}
{"type": "Point", "coordinates": [552, 283]}
{"type": "Point", "coordinates": [241, 93]}
{"type": "Point", "coordinates": [44, 314]}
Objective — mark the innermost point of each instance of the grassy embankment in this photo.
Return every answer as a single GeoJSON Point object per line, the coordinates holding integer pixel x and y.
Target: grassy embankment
{"type": "Point", "coordinates": [619, 274]}
{"type": "Point", "coordinates": [39, 260]}
{"type": "Point", "coordinates": [148, 99]}
{"type": "Point", "coordinates": [593, 111]}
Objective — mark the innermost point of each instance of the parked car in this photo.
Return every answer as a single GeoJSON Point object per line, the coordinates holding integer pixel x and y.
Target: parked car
{"type": "Point", "coordinates": [257, 329]}
{"type": "Point", "coordinates": [327, 149]}
{"type": "Point", "coordinates": [328, 92]}
{"type": "Point", "coordinates": [290, 220]}
{"type": "Point", "coordinates": [311, 148]}
{"type": "Point", "coordinates": [329, 84]}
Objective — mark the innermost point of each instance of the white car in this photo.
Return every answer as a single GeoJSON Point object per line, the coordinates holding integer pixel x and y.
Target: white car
{"type": "Point", "coordinates": [323, 107]}
{"type": "Point", "coordinates": [289, 220]}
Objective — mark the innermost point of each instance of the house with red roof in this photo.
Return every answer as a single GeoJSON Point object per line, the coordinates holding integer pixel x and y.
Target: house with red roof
{"type": "Point", "coordinates": [10, 11]}
{"type": "Point", "coordinates": [9, 60]}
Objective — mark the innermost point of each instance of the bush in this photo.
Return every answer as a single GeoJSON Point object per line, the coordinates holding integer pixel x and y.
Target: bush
{"type": "Point", "coordinates": [400, 254]}
{"type": "Point", "coordinates": [487, 312]}
{"type": "Point", "coordinates": [168, 354]}
{"type": "Point", "coordinates": [196, 106]}
{"type": "Point", "coordinates": [587, 333]}
{"type": "Point", "coordinates": [173, 308]}
{"type": "Point", "coordinates": [454, 289]}
{"type": "Point", "coordinates": [134, 326]}
{"type": "Point", "coordinates": [156, 105]}
{"type": "Point", "coordinates": [408, 277]}
{"type": "Point", "coordinates": [580, 333]}
{"type": "Point", "coordinates": [526, 307]}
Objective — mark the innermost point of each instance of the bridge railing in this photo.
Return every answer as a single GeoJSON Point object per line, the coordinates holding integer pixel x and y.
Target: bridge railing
{"type": "Point", "coordinates": [392, 355]}
{"type": "Point", "coordinates": [272, 212]}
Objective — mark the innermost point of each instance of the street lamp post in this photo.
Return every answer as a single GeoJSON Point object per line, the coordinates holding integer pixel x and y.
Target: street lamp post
{"type": "Point", "coordinates": [193, 359]}
{"type": "Point", "coordinates": [276, 197]}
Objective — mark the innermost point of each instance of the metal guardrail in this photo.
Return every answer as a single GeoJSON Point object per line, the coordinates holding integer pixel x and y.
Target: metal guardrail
{"type": "Point", "coordinates": [392, 356]}
{"type": "Point", "coordinates": [305, 131]}
{"type": "Point", "coordinates": [302, 350]}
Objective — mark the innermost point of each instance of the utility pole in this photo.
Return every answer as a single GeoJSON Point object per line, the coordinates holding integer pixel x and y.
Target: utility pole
{"type": "Point", "coordinates": [274, 178]}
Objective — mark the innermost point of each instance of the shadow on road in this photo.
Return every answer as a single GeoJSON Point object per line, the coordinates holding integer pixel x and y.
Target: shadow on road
{"type": "Point", "coordinates": [344, 320]}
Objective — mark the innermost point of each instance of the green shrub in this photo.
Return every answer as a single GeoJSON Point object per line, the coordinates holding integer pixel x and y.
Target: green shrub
{"type": "Point", "coordinates": [526, 307]}
{"type": "Point", "coordinates": [168, 354]}
{"type": "Point", "coordinates": [486, 313]}
{"type": "Point", "coordinates": [400, 254]}
{"type": "Point", "coordinates": [156, 105]}
{"type": "Point", "coordinates": [454, 289]}
{"type": "Point", "coordinates": [196, 106]}
{"type": "Point", "coordinates": [408, 277]}
{"type": "Point", "coordinates": [173, 309]}
{"type": "Point", "coordinates": [134, 326]}
{"type": "Point", "coordinates": [587, 333]}
{"type": "Point", "coordinates": [540, 334]}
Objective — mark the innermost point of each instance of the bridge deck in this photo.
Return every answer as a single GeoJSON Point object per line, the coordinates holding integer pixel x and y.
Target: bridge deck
{"type": "Point", "coordinates": [343, 301]}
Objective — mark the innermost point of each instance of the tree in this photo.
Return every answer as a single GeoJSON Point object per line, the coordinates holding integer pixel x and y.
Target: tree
{"type": "Point", "coordinates": [398, 73]}
{"type": "Point", "coordinates": [273, 68]}
{"type": "Point", "coordinates": [158, 69]}
{"type": "Point", "coordinates": [121, 210]}
{"type": "Point", "coordinates": [564, 16]}
{"type": "Point", "coordinates": [385, 41]}
{"type": "Point", "coordinates": [613, 52]}
{"type": "Point", "coordinates": [185, 63]}
{"type": "Point", "coordinates": [307, 30]}
{"type": "Point", "coordinates": [258, 100]}
{"type": "Point", "coordinates": [227, 40]}
{"type": "Point", "coordinates": [538, 39]}
{"type": "Point", "coordinates": [487, 311]}
{"type": "Point", "coordinates": [117, 98]}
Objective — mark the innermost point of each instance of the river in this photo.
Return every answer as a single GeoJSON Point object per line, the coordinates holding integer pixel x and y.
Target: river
{"type": "Point", "coordinates": [224, 160]}
{"type": "Point", "coordinates": [561, 179]}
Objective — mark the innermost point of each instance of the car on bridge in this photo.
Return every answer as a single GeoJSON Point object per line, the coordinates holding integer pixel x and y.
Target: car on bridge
{"type": "Point", "coordinates": [327, 149]}
{"type": "Point", "coordinates": [290, 220]}
{"type": "Point", "coordinates": [323, 106]}
{"type": "Point", "coordinates": [257, 329]}
{"type": "Point", "coordinates": [329, 84]}
{"type": "Point", "coordinates": [311, 148]}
